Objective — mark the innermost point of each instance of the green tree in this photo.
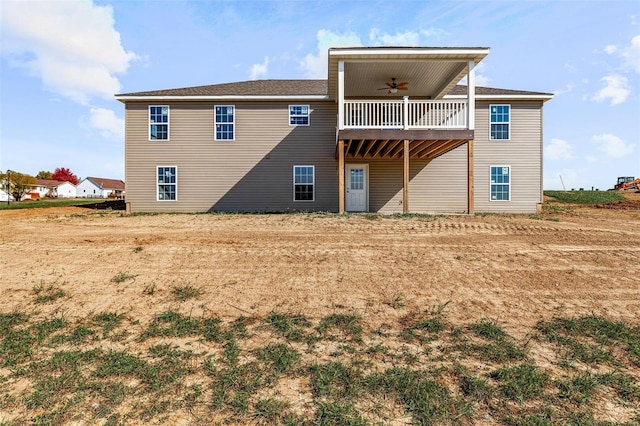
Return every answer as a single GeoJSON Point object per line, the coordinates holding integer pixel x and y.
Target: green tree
{"type": "Point", "coordinates": [43, 174]}
{"type": "Point", "coordinates": [17, 184]}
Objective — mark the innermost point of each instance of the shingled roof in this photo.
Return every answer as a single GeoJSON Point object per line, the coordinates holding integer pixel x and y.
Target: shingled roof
{"type": "Point", "coordinates": [107, 183]}
{"type": "Point", "coordinates": [50, 183]}
{"type": "Point", "coordinates": [462, 90]}
{"type": "Point", "coordinates": [295, 88]}
{"type": "Point", "coordinates": [246, 88]}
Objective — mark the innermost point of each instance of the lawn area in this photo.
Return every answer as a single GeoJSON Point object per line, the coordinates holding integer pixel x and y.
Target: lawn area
{"type": "Point", "coordinates": [584, 197]}
{"type": "Point", "coordinates": [48, 202]}
{"type": "Point", "coordinates": [287, 368]}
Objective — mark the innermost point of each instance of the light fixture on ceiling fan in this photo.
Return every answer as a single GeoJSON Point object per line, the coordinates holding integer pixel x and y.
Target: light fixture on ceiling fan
{"type": "Point", "coordinates": [393, 87]}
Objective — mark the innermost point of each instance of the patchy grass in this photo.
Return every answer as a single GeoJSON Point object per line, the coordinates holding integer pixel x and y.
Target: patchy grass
{"type": "Point", "coordinates": [48, 202]}
{"type": "Point", "coordinates": [584, 197]}
{"type": "Point", "coordinates": [121, 277]}
{"type": "Point", "coordinates": [186, 292]}
{"type": "Point", "coordinates": [49, 293]}
{"type": "Point", "coordinates": [203, 369]}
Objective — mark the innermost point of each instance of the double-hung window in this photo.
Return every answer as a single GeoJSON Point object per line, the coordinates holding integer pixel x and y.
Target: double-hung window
{"type": "Point", "coordinates": [158, 122]}
{"type": "Point", "coordinates": [303, 183]}
{"type": "Point", "coordinates": [225, 122]}
{"type": "Point", "coordinates": [500, 116]}
{"type": "Point", "coordinates": [167, 183]}
{"type": "Point", "coordinates": [500, 183]}
{"type": "Point", "coordinates": [299, 115]}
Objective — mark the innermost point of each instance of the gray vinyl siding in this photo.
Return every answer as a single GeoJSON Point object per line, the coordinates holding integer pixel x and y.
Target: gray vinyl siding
{"type": "Point", "coordinates": [254, 172]}
{"type": "Point", "coordinates": [523, 152]}
{"type": "Point", "coordinates": [439, 186]}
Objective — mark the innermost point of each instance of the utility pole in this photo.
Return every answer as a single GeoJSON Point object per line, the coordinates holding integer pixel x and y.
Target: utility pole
{"type": "Point", "coordinates": [8, 187]}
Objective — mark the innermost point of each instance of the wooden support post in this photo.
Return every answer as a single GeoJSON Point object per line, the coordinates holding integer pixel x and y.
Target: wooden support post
{"type": "Point", "coordinates": [340, 176]}
{"type": "Point", "coordinates": [405, 192]}
{"type": "Point", "coordinates": [470, 176]}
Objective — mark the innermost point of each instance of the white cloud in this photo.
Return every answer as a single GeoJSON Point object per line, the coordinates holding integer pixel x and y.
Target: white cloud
{"type": "Point", "coordinates": [315, 65]}
{"type": "Point", "coordinates": [481, 79]}
{"type": "Point", "coordinates": [106, 121]}
{"type": "Point", "coordinates": [72, 46]}
{"type": "Point", "coordinates": [631, 54]}
{"type": "Point", "coordinates": [558, 149]}
{"type": "Point", "coordinates": [407, 38]}
{"type": "Point", "coordinates": [567, 88]}
{"type": "Point", "coordinates": [433, 32]}
{"type": "Point", "coordinates": [612, 146]}
{"type": "Point", "coordinates": [616, 89]}
{"type": "Point", "coordinates": [259, 70]}
{"type": "Point", "coordinates": [591, 159]}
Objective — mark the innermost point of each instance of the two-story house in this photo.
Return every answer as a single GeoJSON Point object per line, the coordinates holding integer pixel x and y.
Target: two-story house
{"type": "Point", "coordinates": [390, 130]}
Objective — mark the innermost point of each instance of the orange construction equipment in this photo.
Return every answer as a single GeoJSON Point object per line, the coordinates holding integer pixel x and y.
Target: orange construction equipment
{"type": "Point", "coordinates": [627, 182]}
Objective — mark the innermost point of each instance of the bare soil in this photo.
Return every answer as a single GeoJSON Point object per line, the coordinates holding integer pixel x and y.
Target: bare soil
{"type": "Point", "coordinates": [515, 269]}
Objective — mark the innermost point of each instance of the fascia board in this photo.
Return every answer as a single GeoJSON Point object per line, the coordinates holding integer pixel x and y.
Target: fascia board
{"type": "Point", "coordinates": [502, 97]}
{"type": "Point", "coordinates": [224, 98]}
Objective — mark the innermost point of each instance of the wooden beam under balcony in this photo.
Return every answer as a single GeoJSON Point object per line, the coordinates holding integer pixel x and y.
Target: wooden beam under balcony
{"type": "Point", "coordinates": [348, 134]}
{"type": "Point", "coordinates": [388, 144]}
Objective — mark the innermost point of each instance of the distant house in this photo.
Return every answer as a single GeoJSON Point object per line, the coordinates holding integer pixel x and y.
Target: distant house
{"type": "Point", "coordinates": [3, 195]}
{"type": "Point", "coordinates": [94, 187]}
{"type": "Point", "coordinates": [54, 188]}
{"type": "Point", "coordinates": [390, 130]}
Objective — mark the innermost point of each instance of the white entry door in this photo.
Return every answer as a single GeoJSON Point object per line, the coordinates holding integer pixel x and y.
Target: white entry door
{"type": "Point", "coordinates": [357, 188]}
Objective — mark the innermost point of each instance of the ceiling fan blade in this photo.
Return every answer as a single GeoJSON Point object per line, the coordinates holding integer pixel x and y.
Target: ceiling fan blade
{"type": "Point", "coordinates": [404, 83]}
{"type": "Point", "coordinates": [390, 84]}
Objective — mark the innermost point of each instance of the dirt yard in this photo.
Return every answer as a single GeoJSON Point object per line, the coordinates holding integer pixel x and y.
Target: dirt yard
{"type": "Point", "coordinates": [514, 269]}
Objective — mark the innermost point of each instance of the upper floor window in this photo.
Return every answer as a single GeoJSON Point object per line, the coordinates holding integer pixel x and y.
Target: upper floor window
{"type": "Point", "coordinates": [158, 122]}
{"type": "Point", "coordinates": [500, 183]}
{"type": "Point", "coordinates": [500, 116]}
{"type": "Point", "coordinates": [167, 183]}
{"type": "Point", "coordinates": [299, 115]}
{"type": "Point", "coordinates": [303, 183]}
{"type": "Point", "coordinates": [225, 122]}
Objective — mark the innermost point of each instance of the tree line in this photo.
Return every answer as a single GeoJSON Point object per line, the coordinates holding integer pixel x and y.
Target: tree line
{"type": "Point", "coordinates": [17, 184]}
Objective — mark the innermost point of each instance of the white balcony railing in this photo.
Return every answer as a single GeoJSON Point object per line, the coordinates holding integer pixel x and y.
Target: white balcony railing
{"type": "Point", "coordinates": [404, 114]}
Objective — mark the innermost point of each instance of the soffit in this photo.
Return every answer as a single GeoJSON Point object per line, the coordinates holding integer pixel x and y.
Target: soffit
{"type": "Point", "coordinates": [430, 72]}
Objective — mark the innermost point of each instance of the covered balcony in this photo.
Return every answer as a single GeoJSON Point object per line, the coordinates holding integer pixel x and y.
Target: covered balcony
{"type": "Point", "coordinates": [392, 105]}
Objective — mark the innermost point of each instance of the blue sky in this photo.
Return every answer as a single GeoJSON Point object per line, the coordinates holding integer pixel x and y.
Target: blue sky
{"type": "Point", "coordinates": [62, 62]}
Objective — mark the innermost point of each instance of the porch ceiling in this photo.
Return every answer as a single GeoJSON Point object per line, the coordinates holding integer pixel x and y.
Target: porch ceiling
{"type": "Point", "coordinates": [387, 144]}
{"type": "Point", "coordinates": [430, 72]}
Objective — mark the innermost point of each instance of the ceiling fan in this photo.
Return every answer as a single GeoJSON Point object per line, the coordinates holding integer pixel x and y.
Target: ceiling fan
{"type": "Point", "coordinates": [393, 87]}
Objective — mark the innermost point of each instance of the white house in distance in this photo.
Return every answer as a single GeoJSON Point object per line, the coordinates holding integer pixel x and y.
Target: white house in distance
{"type": "Point", "coordinates": [55, 188]}
{"type": "Point", "coordinates": [94, 187]}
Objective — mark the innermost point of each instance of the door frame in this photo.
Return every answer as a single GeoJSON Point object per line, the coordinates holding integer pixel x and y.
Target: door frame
{"type": "Point", "coordinates": [347, 179]}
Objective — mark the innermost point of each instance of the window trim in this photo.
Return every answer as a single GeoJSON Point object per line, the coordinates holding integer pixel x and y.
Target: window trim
{"type": "Point", "coordinates": [215, 124]}
{"type": "Point", "coordinates": [150, 123]}
{"type": "Point", "coordinates": [158, 184]}
{"type": "Point", "coordinates": [307, 115]}
{"type": "Point", "coordinates": [491, 183]}
{"type": "Point", "coordinates": [508, 123]}
{"type": "Point", "coordinates": [313, 183]}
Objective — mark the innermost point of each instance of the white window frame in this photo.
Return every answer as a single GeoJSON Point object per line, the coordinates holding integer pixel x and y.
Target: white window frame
{"type": "Point", "coordinates": [495, 183]}
{"type": "Point", "coordinates": [307, 115]}
{"type": "Point", "coordinates": [151, 123]}
{"type": "Point", "coordinates": [508, 123]}
{"type": "Point", "coordinates": [158, 184]}
{"type": "Point", "coordinates": [313, 183]}
{"type": "Point", "coordinates": [215, 123]}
